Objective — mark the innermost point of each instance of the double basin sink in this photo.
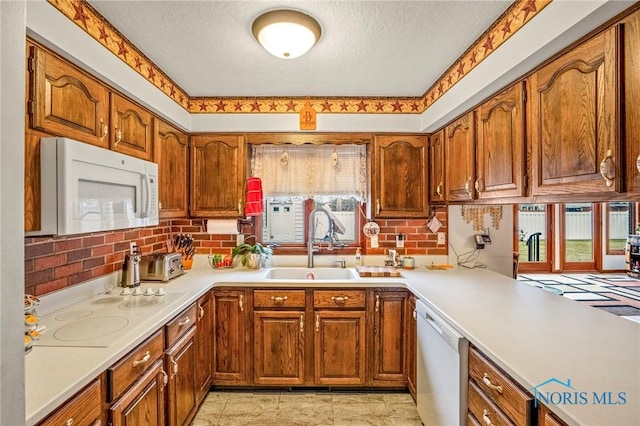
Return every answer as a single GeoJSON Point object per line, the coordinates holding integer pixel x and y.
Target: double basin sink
{"type": "Point", "coordinates": [302, 274]}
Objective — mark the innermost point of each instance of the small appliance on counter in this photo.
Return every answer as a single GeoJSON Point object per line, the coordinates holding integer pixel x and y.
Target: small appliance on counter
{"type": "Point", "coordinates": [131, 268]}
{"type": "Point", "coordinates": [632, 255]}
{"type": "Point", "coordinates": [161, 266]}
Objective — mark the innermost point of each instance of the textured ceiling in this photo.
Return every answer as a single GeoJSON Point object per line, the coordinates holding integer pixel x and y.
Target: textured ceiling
{"type": "Point", "coordinates": [367, 49]}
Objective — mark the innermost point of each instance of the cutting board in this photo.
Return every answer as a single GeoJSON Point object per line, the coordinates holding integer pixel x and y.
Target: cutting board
{"type": "Point", "coordinates": [377, 271]}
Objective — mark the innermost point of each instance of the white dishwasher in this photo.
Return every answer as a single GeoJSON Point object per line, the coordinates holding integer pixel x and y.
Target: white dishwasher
{"type": "Point", "coordinates": [442, 370]}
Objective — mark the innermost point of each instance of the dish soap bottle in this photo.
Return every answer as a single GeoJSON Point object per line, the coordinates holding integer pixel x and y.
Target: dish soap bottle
{"type": "Point", "coordinates": [358, 257]}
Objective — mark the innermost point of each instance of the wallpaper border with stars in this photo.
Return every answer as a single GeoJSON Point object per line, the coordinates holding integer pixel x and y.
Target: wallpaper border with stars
{"type": "Point", "coordinates": [94, 24]}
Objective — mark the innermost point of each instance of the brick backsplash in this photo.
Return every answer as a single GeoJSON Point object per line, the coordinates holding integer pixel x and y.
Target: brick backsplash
{"type": "Point", "coordinates": [53, 263]}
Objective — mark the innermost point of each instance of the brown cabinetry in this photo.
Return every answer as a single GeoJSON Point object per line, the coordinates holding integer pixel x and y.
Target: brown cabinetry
{"type": "Point", "coordinates": [389, 339]}
{"type": "Point", "coordinates": [411, 332]}
{"type": "Point", "coordinates": [203, 346]}
{"type": "Point", "coordinates": [131, 128]}
{"type": "Point", "coordinates": [64, 101]}
{"type": "Point", "coordinates": [437, 189]}
{"type": "Point", "coordinates": [217, 176]}
{"type": "Point", "coordinates": [181, 389]}
{"type": "Point", "coordinates": [171, 152]}
{"type": "Point", "coordinates": [339, 340]}
{"type": "Point", "coordinates": [573, 116]}
{"type": "Point", "coordinates": [460, 158]}
{"type": "Point", "coordinates": [494, 396]}
{"type": "Point", "coordinates": [83, 409]}
{"type": "Point", "coordinates": [399, 176]}
{"type": "Point", "coordinates": [230, 338]}
{"type": "Point", "coordinates": [500, 150]}
{"type": "Point", "coordinates": [631, 30]}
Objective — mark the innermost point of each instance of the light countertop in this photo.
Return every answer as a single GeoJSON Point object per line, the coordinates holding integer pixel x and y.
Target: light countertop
{"type": "Point", "coordinates": [532, 334]}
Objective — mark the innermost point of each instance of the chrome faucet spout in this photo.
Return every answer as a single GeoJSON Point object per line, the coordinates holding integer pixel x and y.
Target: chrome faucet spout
{"type": "Point", "coordinates": [312, 238]}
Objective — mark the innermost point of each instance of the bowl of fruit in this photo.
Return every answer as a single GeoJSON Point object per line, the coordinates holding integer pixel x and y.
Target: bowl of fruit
{"type": "Point", "coordinates": [218, 261]}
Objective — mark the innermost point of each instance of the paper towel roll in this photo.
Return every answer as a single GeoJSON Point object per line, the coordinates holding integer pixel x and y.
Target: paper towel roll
{"type": "Point", "coordinates": [222, 226]}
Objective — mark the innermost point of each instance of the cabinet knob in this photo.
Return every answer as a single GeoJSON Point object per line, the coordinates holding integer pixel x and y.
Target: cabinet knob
{"type": "Point", "coordinates": [278, 300]}
{"type": "Point", "coordinates": [605, 171]}
{"type": "Point", "coordinates": [340, 300]}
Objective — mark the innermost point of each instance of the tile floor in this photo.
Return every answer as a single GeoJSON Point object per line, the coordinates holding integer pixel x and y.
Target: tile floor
{"type": "Point", "coordinates": [301, 408]}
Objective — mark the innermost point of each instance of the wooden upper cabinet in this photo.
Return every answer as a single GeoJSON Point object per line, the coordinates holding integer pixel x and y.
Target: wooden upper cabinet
{"type": "Point", "coordinates": [131, 128]}
{"type": "Point", "coordinates": [460, 158]}
{"type": "Point", "coordinates": [575, 148]}
{"type": "Point", "coordinates": [64, 101]}
{"type": "Point", "coordinates": [501, 145]}
{"type": "Point", "coordinates": [631, 43]}
{"type": "Point", "coordinates": [437, 190]}
{"type": "Point", "coordinates": [171, 152]}
{"type": "Point", "coordinates": [217, 176]}
{"type": "Point", "coordinates": [400, 176]}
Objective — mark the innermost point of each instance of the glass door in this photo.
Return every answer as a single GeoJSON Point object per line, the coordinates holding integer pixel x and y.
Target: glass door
{"type": "Point", "coordinates": [534, 237]}
{"type": "Point", "coordinates": [579, 238]}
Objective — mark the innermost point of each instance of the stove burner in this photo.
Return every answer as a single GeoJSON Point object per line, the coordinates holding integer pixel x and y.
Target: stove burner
{"type": "Point", "coordinates": [107, 300]}
{"type": "Point", "coordinates": [91, 328]}
{"type": "Point", "coordinates": [139, 302]}
{"type": "Point", "coordinates": [74, 315]}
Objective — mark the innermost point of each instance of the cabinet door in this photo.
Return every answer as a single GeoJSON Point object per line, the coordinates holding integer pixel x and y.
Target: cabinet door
{"type": "Point", "coordinates": [339, 348]}
{"type": "Point", "coordinates": [143, 403]}
{"type": "Point", "coordinates": [437, 190]}
{"type": "Point", "coordinates": [460, 158]}
{"type": "Point", "coordinates": [278, 349]}
{"type": "Point", "coordinates": [181, 389]}
{"type": "Point", "coordinates": [573, 121]}
{"type": "Point", "coordinates": [631, 31]}
{"type": "Point", "coordinates": [217, 176]}
{"type": "Point", "coordinates": [389, 338]}
{"type": "Point", "coordinates": [204, 345]}
{"type": "Point", "coordinates": [64, 101]}
{"type": "Point", "coordinates": [501, 145]}
{"type": "Point", "coordinates": [171, 152]}
{"type": "Point", "coordinates": [229, 338]}
{"type": "Point", "coordinates": [131, 128]}
{"type": "Point", "coordinates": [400, 176]}
{"type": "Point", "coordinates": [83, 409]}
{"type": "Point", "coordinates": [411, 342]}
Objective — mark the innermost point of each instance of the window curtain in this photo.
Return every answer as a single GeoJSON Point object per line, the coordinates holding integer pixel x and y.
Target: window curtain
{"type": "Point", "coordinates": [311, 171]}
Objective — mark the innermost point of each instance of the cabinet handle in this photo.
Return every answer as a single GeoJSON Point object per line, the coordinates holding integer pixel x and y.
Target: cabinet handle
{"type": "Point", "coordinates": [467, 186]}
{"type": "Point", "coordinates": [301, 323]}
{"type": "Point", "coordinates": [317, 323]}
{"type": "Point", "coordinates": [415, 315]}
{"type": "Point", "coordinates": [165, 378]}
{"type": "Point", "coordinates": [69, 422]}
{"type": "Point", "coordinates": [174, 367]}
{"type": "Point", "coordinates": [638, 162]}
{"type": "Point", "coordinates": [377, 206]}
{"type": "Point", "coordinates": [278, 300]}
{"type": "Point", "coordinates": [184, 322]}
{"type": "Point", "coordinates": [439, 189]}
{"type": "Point", "coordinates": [377, 303]}
{"type": "Point", "coordinates": [478, 185]}
{"type": "Point", "coordinates": [340, 300]}
{"type": "Point", "coordinates": [145, 358]}
{"type": "Point", "coordinates": [487, 381]}
{"type": "Point", "coordinates": [104, 130]}
{"type": "Point", "coordinates": [118, 136]}
{"type": "Point", "coordinates": [200, 312]}
{"type": "Point", "coordinates": [603, 169]}
{"type": "Point", "coordinates": [239, 206]}
{"type": "Point", "coordinates": [241, 303]}
{"type": "Point", "coordinates": [485, 418]}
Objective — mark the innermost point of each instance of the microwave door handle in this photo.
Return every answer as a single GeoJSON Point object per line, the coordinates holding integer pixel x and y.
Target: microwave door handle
{"type": "Point", "coordinates": [147, 210]}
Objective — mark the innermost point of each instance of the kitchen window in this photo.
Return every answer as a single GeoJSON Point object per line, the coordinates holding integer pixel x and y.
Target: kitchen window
{"type": "Point", "coordinates": [297, 179]}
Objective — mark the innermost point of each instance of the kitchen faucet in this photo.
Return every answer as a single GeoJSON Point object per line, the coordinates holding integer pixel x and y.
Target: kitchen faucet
{"type": "Point", "coordinates": [310, 247]}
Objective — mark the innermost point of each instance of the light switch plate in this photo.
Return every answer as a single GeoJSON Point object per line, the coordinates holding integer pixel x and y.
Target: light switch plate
{"type": "Point", "coordinates": [400, 241]}
{"type": "Point", "coordinates": [442, 238]}
{"type": "Point", "coordinates": [239, 239]}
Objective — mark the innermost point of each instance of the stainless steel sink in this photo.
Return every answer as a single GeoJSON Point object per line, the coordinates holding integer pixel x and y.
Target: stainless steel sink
{"type": "Point", "coordinates": [304, 274]}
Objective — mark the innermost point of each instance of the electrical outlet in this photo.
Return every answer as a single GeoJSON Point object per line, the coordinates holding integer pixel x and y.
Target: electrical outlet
{"type": "Point", "coordinates": [400, 241]}
{"type": "Point", "coordinates": [442, 238]}
{"type": "Point", "coordinates": [239, 239]}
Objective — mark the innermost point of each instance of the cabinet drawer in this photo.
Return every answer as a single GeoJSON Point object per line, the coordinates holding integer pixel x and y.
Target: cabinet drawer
{"type": "Point", "coordinates": [278, 299]}
{"type": "Point", "coordinates": [122, 374]}
{"type": "Point", "coordinates": [82, 409]}
{"type": "Point", "coordinates": [484, 410]}
{"type": "Point", "coordinates": [178, 326]}
{"type": "Point", "coordinates": [338, 298]}
{"type": "Point", "coordinates": [500, 388]}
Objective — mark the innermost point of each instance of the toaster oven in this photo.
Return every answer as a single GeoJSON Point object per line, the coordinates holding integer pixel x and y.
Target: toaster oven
{"type": "Point", "coordinates": [160, 266]}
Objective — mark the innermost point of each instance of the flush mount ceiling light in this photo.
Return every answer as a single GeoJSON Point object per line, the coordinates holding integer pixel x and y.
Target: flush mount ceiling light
{"type": "Point", "coordinates": [286, 33]}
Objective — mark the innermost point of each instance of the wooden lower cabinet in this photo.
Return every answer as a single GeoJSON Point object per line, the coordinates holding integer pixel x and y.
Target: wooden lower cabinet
{"type": "Point", "coordinates": [230, 340]}
{"type": "Point", "coordinates": [83, 409]}
{"type": "Point", "coordinates": [388, 349]}
{"type": "Point", "coordinates": [203, 346]}
{"type": "Point", "coordinates": [339, 348]}
{"type": "Point", "coordinates": [143, 403]}
{"type": "Point", "coordinates": [411, 345]}
{"type": "Point", "coordinates": [181, 390]}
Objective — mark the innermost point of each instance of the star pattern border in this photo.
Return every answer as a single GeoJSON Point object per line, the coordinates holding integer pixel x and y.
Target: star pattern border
{"type": "Point", "coordinates": [93, 23]}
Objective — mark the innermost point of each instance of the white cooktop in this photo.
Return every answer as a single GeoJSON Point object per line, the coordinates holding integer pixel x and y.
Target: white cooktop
{"type": "Point", "coordinates": [98, 320]}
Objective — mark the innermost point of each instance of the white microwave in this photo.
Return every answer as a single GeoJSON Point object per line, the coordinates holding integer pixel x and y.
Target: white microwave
{"type": "Point", "coordinates": [85, 188]}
